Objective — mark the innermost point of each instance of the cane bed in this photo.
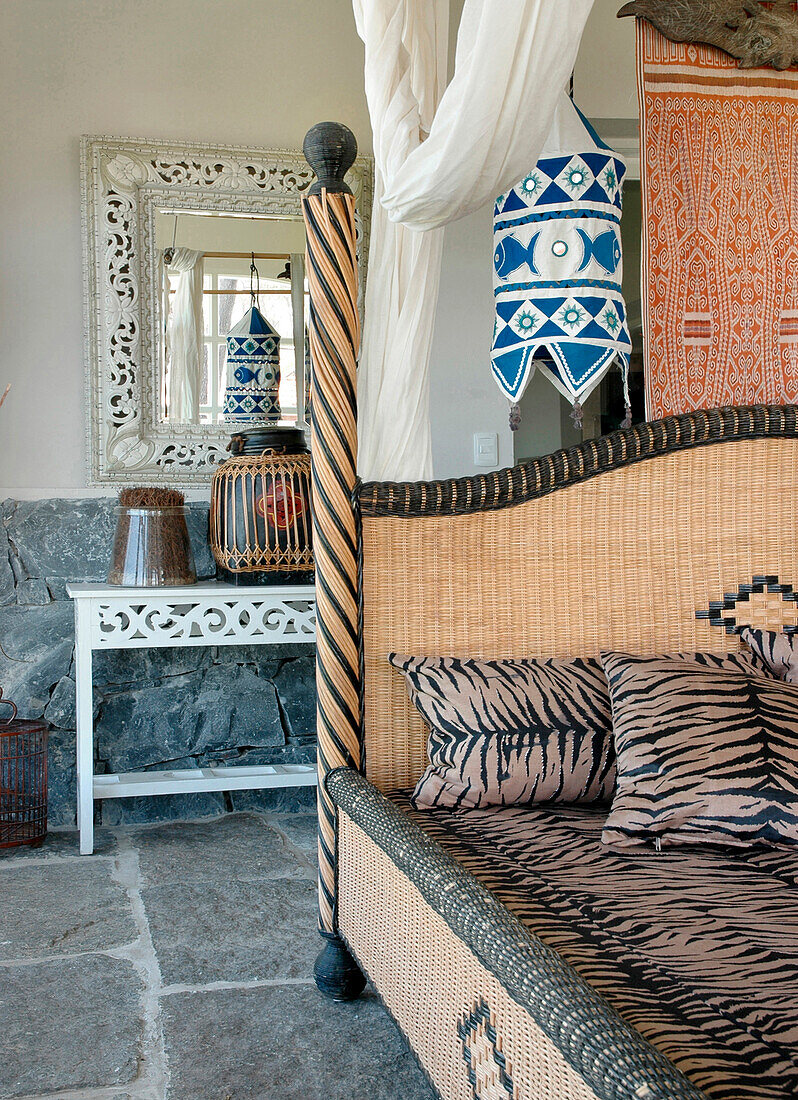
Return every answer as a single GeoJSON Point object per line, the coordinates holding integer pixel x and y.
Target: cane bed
{"type": "Point", "coordinates": [667, 537]}
{"type": "Point", "coordinates": [506, 944]}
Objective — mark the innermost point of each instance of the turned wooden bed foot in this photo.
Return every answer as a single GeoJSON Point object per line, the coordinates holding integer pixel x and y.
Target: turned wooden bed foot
{"type": "Point", "coordinates": [337, 974]}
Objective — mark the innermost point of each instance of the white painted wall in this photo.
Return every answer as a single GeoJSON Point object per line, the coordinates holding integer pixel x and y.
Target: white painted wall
{"type": "Point", "coordinates": [605, 81]}
{"type": "Point", "coordinates": [143, 68]}
{"type": "Point", "coordinates": [463, 396]}
{"type": "Point", "coordinates": [178, 70]}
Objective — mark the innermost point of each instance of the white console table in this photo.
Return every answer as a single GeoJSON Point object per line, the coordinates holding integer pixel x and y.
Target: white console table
{"type": "Point", "coordinates": [206, 614]}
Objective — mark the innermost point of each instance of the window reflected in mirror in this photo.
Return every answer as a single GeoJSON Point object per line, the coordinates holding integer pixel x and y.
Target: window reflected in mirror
{"type": "Point", "coordinates": [207, 288]}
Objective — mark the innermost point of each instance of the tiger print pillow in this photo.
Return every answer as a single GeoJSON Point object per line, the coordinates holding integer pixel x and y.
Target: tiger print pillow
{"type": "Point", "coordinates": [511, 731]}
{"type": "Point", "coordinates": [778, 651]}
{"type": "Point", "coordinates": [707, 752]}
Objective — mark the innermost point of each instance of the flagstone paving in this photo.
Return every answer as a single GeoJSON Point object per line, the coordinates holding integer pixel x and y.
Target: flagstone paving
{"type": "Point", "coordinates": [175, 964]}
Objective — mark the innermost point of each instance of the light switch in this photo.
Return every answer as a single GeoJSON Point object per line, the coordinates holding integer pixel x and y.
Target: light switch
{"type": "Point", "coordinates": [486, 449]}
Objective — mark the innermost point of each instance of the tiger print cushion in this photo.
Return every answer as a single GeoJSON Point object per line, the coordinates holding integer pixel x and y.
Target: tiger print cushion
{"type": "Point", "coordinates": [509, 731]}
{"type": "Point", "coordinates": [778, 651]}
{"type": "Point", "coordinates": [707, 751]}
{"type": "Point", "coordinates": [697, 949]}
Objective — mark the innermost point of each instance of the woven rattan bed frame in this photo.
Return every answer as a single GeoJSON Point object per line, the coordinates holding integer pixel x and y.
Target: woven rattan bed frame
{"type": "Point", "coordinates": [667, 536]}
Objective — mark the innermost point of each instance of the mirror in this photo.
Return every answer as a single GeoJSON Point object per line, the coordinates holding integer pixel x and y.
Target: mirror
{"type": "Point", "coordinates": [214, 255]}
{"type": "Point", "coordinates": [160, 389]}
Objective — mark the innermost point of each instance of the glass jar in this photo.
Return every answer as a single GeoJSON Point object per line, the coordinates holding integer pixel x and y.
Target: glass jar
{"type": "Point", "coordinates": [151, 548]}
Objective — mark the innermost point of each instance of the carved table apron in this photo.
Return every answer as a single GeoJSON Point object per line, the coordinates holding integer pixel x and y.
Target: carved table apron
{"type": "Point", "coordinates": [206, 614]}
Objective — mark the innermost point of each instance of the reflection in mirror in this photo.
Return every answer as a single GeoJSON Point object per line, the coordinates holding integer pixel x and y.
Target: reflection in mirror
{"type": "Point", "coordinates": [207, 287]}
{"type": "Point", "coordinates": [148, 421]}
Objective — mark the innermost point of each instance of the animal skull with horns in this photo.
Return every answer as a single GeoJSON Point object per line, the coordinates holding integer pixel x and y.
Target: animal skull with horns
{"type": "Point", "coordinates": [756, 35]}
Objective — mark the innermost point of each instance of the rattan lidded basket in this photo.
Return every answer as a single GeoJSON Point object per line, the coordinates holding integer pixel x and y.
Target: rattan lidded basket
{"type": "Point", "coordinates": [260, 520]}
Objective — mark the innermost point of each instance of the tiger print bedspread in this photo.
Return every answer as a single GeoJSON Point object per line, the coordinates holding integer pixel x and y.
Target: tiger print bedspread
{"type": "Point", "coordinates": [697, 948]}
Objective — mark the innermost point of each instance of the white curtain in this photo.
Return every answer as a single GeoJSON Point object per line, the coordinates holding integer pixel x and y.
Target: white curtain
{"type": "Point", "coordinates": [441, 155]}
{"type": "Point", "coordinates": [184, 330]}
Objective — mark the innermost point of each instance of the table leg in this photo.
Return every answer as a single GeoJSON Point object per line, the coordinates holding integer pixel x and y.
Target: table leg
{"type": "Point", "coordinates": [85, 725]}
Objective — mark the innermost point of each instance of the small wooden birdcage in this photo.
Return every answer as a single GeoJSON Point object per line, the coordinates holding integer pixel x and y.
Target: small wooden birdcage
{"type": "Point", "coordinates": [23, 780]}
{"type": "Point", "coordinates": [260, 521]}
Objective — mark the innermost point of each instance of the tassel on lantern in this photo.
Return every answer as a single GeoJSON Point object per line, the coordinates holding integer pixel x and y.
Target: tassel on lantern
{"type": "Point", "coordinates": [627, 401]}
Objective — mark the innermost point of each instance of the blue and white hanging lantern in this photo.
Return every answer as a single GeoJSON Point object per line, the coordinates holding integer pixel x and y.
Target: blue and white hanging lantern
{"type": "Point", "coordinates": [557, 268]}
{"type": "Point", "coordinates": [253, 368]}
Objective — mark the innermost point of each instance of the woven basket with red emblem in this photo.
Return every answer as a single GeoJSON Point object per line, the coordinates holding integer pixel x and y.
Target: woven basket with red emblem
{"type": "Point", "coordinates": [260, 522]}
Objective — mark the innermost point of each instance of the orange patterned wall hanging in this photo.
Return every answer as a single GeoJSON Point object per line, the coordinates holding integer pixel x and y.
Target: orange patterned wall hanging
{"type": "Point", "coordinates": [720, 214]}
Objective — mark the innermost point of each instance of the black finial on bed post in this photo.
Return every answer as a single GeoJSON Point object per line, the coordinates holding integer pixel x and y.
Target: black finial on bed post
{"type": "Point", "coordinates": [330, 149]}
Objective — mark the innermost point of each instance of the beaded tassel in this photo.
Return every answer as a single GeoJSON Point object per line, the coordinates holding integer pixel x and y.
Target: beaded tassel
{"type": "Point", "coordinates": [627, 401]}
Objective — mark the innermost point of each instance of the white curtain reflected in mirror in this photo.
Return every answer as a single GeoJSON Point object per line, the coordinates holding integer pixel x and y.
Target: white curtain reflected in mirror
{"type": "Point", "coordinates": [184, 353]}
{"type": "Point", "coordinates": [205, 265]}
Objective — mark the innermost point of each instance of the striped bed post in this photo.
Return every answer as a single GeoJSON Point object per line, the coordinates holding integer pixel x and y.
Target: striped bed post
{"type": "Point", "coordinates": [329, 211]}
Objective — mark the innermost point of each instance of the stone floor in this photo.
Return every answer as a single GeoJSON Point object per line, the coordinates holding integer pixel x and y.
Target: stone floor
{"type": "Point", "coordinates": [174, 964]}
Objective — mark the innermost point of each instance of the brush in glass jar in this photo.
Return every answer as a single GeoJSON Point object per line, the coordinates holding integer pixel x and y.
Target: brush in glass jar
{"type": "Point", "coordinates": [151, 547]}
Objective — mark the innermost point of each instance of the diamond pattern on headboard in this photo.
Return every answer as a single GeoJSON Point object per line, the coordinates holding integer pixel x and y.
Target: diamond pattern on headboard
{"type": "Point", "coordinates": [765, 603]}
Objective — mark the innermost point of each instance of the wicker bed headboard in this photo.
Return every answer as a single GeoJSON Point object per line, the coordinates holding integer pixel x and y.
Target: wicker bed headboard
{"type": "Point", "coordinates": [665, 537]}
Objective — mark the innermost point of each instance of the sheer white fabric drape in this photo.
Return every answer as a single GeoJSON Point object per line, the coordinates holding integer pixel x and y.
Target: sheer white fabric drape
{"type": "Point", "coordinates": [441, 155]}
{"type": "Point", "coordinates": [184, 331]}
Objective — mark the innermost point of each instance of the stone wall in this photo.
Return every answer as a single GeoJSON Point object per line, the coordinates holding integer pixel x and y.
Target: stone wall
{"type": "Point", "coordinates": [156, 708]}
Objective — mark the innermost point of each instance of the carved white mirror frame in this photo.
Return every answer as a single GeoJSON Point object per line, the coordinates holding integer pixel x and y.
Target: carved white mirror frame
{"type": "Point", "coordinates": [124, 183]}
